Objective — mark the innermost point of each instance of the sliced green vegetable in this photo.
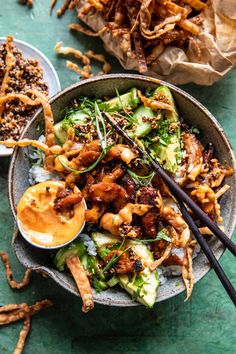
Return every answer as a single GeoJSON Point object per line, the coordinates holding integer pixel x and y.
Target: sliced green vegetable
{"type": "Point", "coordinates": [121, 101]}
{"type": "Point", "coordinates": [94, 267]}
{"type": "Point", "coordinates": [72, 118]}
{"type": "Point", "coordinates": [89, 263]}
{"type": "Point", "coordinates": [169, 155]}
{"type": "Point", "coordinates": [104, 239]}
{"type": "Point", "coordinates": [168, 149]}
{"type": "Point", "coordinates": [60, 133]}
{"type": "Point", "coordinates": [76, 248]}
{"type": "Point", "coordinates": [141, 128]}
{"type": "Point", "coordinates": [164, 91]}
{"type": "Point", "coordinates": [146, 290]}
{"type": "Point", "coordinates": [99, 285]}
{"type": "Point", "coordinates": [113, 281]}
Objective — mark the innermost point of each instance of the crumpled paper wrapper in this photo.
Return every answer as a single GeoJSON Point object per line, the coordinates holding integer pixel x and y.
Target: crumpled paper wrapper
{"type": "Point", "coordinates": [217, 43]}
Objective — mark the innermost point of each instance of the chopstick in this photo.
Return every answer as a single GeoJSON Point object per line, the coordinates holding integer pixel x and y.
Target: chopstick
{"type": "Point", "coordinates": [175, 189]}
{"type": "Point", "coordinates": [208, 252]}
{"type": "Point", "coordinates": [181, 198]}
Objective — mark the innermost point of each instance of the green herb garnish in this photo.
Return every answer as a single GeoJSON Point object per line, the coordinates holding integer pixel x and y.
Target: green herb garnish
{"type": "Point", "coordinates": [103, 141]}
{"type": "Point", "coordinates": [142, 180]}
{"type": "Point", "coordinates": [162, 235]}
{"type": "Point", "coordinates": [91, 167]}
{"type": "Point", "coordinates": [113, 260]}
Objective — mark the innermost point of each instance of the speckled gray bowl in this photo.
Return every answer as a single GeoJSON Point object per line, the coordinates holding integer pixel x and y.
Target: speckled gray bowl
{"type": "Point", "coordinates": [191, 110]}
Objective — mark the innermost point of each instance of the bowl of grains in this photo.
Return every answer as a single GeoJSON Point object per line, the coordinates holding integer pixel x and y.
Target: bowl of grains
{"type": "Point", "coordinates": [23, 71]}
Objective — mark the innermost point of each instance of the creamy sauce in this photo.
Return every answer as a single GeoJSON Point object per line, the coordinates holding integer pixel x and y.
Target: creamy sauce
{"type": "Point", "coordinates": [39, 221]}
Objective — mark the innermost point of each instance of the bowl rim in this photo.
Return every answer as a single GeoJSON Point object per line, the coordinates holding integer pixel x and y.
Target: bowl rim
{"type": "Point", "coordinates": [42, 56]}
{"type": "Point", "coordinates": [138, 78]}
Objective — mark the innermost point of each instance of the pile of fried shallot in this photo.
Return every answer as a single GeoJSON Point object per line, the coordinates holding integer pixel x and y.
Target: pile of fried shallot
{"type": "Point", "coordinates": [146, 27]}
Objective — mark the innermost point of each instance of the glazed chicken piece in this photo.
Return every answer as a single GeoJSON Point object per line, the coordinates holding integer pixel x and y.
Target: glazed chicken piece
{"type": "Point", "coordinates": [117, 172]}
{"type": "Point", "coordinates": [90, 180]}
{"type": "Point", "coordinates": [66, 198]}
{"type": "Point", "coordinates": [63, 192]}
{"type": "Point", "coordinates": [88, 154]}
{"type": "Point", "coordinates": [112, 222]}
{"type": "Point", "coordinates": [158, 248]}
{"type": "Point", "coordinates": [194, 155]}
{"type": "Point", "coordinates": [108, 193]}
{"type": "Point", "coordinates": [149, 195]}
{"type": "Point", "coordinates": [121, 152]}
{"type": "Point", "coordinates": [128, 184]}
{"type": "Point", "coordinates": [125, 264]}
{"type": "Point", "coordinates": [92, 215]}
{"type": "Point", "coordinates": [72, 179]}
{"type": "Point", "coordinates": [131, 231]}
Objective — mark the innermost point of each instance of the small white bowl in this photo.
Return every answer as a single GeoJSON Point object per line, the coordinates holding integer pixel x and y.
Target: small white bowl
{"type": "Point", "coordinates": [49, 74]}
{"type": "Point", "coordinates": [19, 224]}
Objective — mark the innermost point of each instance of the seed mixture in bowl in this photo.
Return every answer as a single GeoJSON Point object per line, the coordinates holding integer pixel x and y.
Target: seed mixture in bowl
{"type": "Point", "coordinates": [18, 75]}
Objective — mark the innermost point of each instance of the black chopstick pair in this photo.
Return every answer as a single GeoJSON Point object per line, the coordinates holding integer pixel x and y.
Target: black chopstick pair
{"type": "Point", "coordinates": [181, 197]}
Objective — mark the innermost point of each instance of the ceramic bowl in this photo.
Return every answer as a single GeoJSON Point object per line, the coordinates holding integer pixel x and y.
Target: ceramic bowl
{"type": "Point", "coordinates": [49, 74]}
{"type": "Point", "coordinates": [193, 113]}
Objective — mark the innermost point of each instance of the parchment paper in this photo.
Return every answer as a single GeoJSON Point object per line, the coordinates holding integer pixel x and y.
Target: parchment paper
{"type": "Point", "coordinates": [217, 42]}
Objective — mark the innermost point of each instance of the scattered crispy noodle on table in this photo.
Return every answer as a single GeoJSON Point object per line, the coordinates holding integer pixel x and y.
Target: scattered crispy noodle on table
{"type": "Point", "coordinates": [72, 51]}
{"type": "Point", "coordinates": [26, 2]}
{"type": "Point", "coordinates": [17, 312]}
{"type": "Point", "coordinates": [22, 337]}
{"type": "Point", "coordinates": [14, 284]}
{"type": "Point", "coordinates": [63, 9]}
{"type": "Point", "coordinates": [86, 71]}
{"type": "Point", "coordinates": [67, 4]}
{"type": "Point", "coordinates": [14, 312]}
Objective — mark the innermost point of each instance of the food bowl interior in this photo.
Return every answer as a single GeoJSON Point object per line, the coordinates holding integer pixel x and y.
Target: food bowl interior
{"type": "Point", "coordinates": [190, 110]}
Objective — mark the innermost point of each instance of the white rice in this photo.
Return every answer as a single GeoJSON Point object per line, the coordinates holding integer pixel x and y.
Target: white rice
{"type": "Point", "coordinates": [176, 270]}
{"type": "Point", "coordinates": [38, 174]}
{"type": "Point", "coordinates": [41, 138]}
{"type": "Point", "coordinates": [162, 278]}
{"type": "Point", "coordinates": [172, 270]}
{"type": "Point", "coordinates": [89, 243]}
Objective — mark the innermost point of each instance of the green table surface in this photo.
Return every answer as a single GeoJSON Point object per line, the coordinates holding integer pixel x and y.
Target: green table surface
{"type": "Point", "coordinates": [203, 325]}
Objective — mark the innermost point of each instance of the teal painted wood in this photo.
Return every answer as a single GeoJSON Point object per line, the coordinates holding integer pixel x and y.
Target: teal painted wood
{"type": "Point", "coordinates": [203, 325]}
